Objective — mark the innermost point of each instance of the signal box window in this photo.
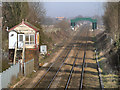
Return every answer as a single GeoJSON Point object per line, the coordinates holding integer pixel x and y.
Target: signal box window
{"type": "Point", "coordinates": [26, 39]}
{"type": "Point", "coordinates": [30, 39]}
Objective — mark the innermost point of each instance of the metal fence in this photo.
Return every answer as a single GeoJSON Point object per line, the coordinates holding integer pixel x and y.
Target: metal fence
{"type": "Point", "coordinates": [6, 76]}
{"type": "Point", "coordinates": [28, 67]}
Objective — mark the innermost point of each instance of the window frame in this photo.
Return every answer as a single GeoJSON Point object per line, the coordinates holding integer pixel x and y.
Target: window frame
{"type": "Point", "coordinates": [33, 42]}
{"type": "Point", "coordinates": [29, 41]}
{"type": "Point", "coordinates": [20, 38]}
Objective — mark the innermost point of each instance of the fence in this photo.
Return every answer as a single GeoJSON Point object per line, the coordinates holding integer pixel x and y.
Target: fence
{"type": "Point", "coordinates": [28, 67]}
{"type": "Point", "coordinates": [6, 76]}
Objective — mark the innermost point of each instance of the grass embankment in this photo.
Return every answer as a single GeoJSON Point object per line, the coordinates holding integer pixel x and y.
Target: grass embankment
{"type": "Point", "coordinates": [109, 76]}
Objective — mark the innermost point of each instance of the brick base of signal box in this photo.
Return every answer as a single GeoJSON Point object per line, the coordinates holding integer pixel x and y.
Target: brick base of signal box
{"type": "Point", "coordinates": [30, 54]}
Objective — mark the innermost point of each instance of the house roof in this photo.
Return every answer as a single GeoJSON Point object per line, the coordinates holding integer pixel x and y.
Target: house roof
{"type": "Point", "coordinates": [13, 30]}
{"type": "Point", "coordinates": [27, 24]}
{"type": "Point", "coordinates": [17, 32]}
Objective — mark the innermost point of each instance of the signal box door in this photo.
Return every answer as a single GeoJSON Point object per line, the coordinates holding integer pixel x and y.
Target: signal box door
{"type": "Point", "coordinates": [21, 39]}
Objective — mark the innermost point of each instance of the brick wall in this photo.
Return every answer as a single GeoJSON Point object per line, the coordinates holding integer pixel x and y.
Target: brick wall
{"type": "Point", "coordinates": [32, 54]}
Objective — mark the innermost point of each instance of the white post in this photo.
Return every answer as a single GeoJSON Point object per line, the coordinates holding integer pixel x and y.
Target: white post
{"type": "Point", "coordinates": [7, 29]}
{"type": "Point", "coordinates": [0, 82]}
{"type": "Point", "coordinates": [15, 53]}
{"type": "Point", "coordinates": [23, 57]}
{"type": "Point", "coordinates": [21, 66]}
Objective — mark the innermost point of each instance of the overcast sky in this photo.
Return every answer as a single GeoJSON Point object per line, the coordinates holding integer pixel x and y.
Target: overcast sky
{"type": "Point", "coordinates": [71, 9]}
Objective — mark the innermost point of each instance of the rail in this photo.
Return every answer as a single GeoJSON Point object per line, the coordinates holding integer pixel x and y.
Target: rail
{"type": "Point", "coordinates": [99, 73]}
{"type": "Point", "coordinates": [71, 73]}
{"type": "Point", "coordinates": [83, 65]}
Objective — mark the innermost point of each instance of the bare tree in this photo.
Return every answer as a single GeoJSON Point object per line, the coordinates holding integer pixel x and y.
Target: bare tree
{"type": "Point", "coordinates": [111, 19]}
{"type": "Point", "coordinates": [63, 25]}
{"type": "Point", "coordinates": [37, 12]}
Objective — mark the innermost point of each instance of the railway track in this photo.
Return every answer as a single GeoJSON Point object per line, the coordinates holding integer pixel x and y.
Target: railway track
{"type": "Point", "coordinates": [83, 65]}
{"type": "Point", "coordinates": [72, 70]}
{"type": "Point", "coordinates": [53, 69]}
{"type": "Point", "coordinates": [98, 83]}
{"type": "Point", "coordinates": [46, 78]}
{"type": "Point", "coordinates": [55, 73]}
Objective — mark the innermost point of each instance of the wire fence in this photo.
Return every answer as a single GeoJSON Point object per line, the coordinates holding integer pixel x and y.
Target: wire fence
{"type": "Point", "coordinates": [28, 67]}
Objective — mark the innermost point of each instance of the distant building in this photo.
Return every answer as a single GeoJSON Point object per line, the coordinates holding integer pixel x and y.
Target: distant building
{"type": "Point", "coordinates": [60, 18]}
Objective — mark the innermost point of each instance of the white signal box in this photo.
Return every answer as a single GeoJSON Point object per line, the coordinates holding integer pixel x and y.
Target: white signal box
{"type": "Point", "coordinates": [43, 49]}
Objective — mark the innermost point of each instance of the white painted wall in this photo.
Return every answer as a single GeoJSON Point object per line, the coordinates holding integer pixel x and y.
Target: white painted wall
{"type": "Point", "coordinates": [21, 29]}
{"type": "Point", "coordinates": [37, 39]}
{"type": "Point", "coordinates": [12, 39]}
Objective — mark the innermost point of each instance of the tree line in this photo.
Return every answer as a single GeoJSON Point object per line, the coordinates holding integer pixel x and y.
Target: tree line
{"type": "Point", "coordinates": [111, 21]}
{"type": "Point", "coordinates": [14, 12]}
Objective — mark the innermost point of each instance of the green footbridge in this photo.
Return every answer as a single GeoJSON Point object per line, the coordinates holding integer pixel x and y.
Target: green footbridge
{"type": "Point", "coordinates": [94, 21]}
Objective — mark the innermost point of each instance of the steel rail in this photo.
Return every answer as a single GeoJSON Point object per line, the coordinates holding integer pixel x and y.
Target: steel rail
{"type": "Point", "coordinates": [83, 65]}
{"type": "Point", "coordinates": [71, 72]}
{"type": "Point", "coordinates": [99, 73]}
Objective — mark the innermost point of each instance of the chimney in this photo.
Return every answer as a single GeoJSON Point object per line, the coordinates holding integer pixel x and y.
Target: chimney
{"type": "Point", "coordinates": [25, 20]}
{"type": "Point", "coordinates": [22, 21]}
{"type": "Point", "coordinates": [7, 29]}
